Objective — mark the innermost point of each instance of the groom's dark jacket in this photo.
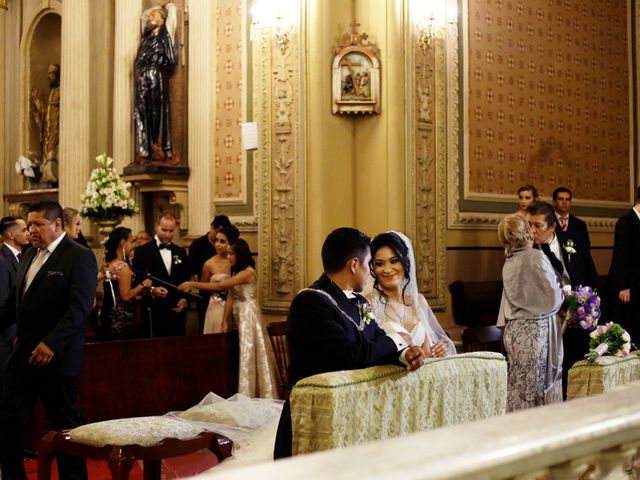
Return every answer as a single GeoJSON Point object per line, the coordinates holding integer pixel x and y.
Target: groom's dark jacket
{"type": "Point", "coordinates": [323, 336]}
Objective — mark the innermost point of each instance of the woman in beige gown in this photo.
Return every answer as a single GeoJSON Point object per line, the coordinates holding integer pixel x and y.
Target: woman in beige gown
{"type": "Point", "coordinates": [257, 377]}
{"type": "Point", "coordinates": [217, 269]}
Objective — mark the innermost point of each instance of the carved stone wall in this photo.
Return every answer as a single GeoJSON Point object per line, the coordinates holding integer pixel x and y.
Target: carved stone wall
{"type": "Point", "coordinates": [426, 157]}
{"type": "Point", "coordinates": [278, 90]}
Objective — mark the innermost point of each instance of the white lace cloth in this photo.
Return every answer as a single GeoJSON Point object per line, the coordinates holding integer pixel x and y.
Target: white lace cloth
{"type": "Point", "coordinates": [250, 423]}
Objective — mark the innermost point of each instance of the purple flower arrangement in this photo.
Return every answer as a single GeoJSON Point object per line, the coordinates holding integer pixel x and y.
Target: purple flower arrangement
{"type": "Point", "coordinates": [584, 305]}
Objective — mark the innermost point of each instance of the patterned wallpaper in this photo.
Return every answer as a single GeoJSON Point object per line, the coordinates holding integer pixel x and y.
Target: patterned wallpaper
{"type": "Point", "coordinates": [548, 97]}
{"type": "Point", "coordinates": [229, 168]}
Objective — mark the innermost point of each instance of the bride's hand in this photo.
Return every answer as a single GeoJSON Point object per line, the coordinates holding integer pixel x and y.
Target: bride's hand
{"type": "Point", "coordinates": [438, 349]}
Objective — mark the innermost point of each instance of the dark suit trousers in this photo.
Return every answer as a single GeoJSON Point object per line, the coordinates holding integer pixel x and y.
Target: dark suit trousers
{"type": "Point", "coordinates": [59, 395]}
{"type": "Point", "coordinates": [284, 436]}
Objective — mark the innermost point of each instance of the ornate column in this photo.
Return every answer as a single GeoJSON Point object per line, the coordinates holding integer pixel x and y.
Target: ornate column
{"type": "Point", "coordinates": [280, 159]}
{"type": "Point", "coordinates": [426, 157]}
{"type": "Point", "coordinates": [125, 47]}
{"type": "Point", "coordinates": [3, 112]}
{"type": "Point", "coordinates": [201, 108]}
{"type": "Point", "coordinates": [75, 160]}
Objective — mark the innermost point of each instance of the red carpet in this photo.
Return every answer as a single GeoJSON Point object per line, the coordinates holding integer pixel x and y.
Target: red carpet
{"type": "Point", "coordinates": [176, 467]}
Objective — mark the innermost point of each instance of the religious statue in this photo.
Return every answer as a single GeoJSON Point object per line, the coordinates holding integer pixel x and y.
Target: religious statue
{"type": "Point", "coordinates": [47, 120]}
{"type": "Point", "coordinates": [157, 55]}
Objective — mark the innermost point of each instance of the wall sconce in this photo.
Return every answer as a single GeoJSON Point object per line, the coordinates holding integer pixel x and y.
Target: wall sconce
{"type": "Point", "coordinates": [431, 19]}
{"type": "Point", "coordinates": [274, 17]}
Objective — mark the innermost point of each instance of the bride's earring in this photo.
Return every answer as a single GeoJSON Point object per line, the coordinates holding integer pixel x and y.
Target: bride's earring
{"type": "Point", "coordinates": [124, 254]}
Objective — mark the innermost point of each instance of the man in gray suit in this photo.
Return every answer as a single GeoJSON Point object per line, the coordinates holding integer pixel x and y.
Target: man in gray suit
{"type": "Point", "coordinates": [16, 239]}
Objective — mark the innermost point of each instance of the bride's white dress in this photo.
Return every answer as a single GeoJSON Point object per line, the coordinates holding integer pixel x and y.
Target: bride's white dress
{"type": "Point", "coordinates": [394, 317]}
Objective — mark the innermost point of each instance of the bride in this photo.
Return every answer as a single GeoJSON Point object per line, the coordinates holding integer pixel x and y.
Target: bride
{"type": "Point", "coordinates": [397, 304]}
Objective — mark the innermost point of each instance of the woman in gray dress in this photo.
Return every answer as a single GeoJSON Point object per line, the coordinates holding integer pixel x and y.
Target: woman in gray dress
{"type": "Point", "coordinates": [531, 299]}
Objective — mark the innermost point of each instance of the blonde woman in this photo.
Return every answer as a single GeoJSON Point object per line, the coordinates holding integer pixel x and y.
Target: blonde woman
{"type": "Point", "coordinates": [532, 337]}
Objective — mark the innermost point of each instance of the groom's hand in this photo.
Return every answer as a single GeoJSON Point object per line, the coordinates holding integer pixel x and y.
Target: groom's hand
{"type": "Point", "coordinates": [414, 357]}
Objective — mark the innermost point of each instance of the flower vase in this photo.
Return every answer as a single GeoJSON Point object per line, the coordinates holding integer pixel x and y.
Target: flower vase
{"type": "Point", "coordinates": [106, 226]}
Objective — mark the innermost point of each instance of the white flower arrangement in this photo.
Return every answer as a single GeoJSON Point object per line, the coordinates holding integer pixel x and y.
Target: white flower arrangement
{"type": "Point", "coordinates": [107, 195]}
{"type": "Point", "coordinates": [27, 168]}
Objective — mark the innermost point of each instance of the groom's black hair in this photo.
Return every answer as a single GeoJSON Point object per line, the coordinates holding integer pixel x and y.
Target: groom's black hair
{"type": "Point", "coordinates": [342, 245]}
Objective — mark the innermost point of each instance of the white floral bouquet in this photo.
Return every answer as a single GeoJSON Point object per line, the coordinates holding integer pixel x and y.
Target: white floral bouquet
{"type": "Point", "coordinates": [27, 168]}
{"type": "Point", "coordinates": [608, 339]}
{"type": "Point", "coordinates": [107, 195]}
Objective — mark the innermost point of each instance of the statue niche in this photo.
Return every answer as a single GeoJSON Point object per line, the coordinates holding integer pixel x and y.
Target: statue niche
{"type": "Point", "coordinates": [44, 100]}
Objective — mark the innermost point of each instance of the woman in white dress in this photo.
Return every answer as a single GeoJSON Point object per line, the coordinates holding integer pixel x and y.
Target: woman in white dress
{"type": "Point", "coordinates": [257, 377]}
{"type": "Point", "coordinates": [532, 338]}
{"type": "Point", "coordinates": [216, 269]}
{"type": "Point", "coordinates": [397, 305]}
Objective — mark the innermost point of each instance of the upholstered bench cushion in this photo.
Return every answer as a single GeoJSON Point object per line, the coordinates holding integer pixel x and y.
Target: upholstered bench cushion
{"type": "Point", "coordinates": [143, 431]}
{"type": "Point", "coordinates": [603, 375]}
{"type": "Point", "coordinates": [350, 407]}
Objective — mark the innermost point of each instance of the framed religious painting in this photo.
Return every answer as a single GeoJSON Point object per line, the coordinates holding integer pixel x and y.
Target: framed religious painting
{"type": "Point", "coordinates": [356, 76]}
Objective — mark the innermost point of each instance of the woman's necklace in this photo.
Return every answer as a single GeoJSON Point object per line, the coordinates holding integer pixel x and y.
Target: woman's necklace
{"type": "Point", "coordinates": [396, 313]}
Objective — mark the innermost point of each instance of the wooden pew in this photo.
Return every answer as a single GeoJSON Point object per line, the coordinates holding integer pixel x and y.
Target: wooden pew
{"type": "Point", "coordinates": [132, 378]}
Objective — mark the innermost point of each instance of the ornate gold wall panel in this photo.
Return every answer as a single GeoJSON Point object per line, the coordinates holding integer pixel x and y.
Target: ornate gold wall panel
{"type": "Point", "coordinates": [544, 101]}
{"type": "Point", "coordinates": [278, 90]}
{"type": "Point", "coordinates": [426, 162]}
{"type": "Point", "coordinates": [230, 160]}
{"type": "Point", "coordinates": [548, 98]}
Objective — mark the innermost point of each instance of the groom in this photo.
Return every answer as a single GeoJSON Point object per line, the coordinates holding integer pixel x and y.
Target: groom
{"type": "Point", "coordinates": [330, 326]}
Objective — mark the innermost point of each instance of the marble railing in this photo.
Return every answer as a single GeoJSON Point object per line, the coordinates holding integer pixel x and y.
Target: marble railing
{"type": "Point", "coordinates": [590, 438]}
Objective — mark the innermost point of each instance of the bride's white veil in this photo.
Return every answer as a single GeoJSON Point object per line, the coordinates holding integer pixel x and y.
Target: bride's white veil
{"type": "Point", "coordinates": [412, 294]}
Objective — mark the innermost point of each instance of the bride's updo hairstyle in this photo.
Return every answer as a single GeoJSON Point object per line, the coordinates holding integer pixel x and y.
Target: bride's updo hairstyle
{"type": "Point", "coordinates": [395, 243]}
{"type": "Point", "coordinates": [514, 233]}
{"type": "Point", "coordinates": [115, 237]}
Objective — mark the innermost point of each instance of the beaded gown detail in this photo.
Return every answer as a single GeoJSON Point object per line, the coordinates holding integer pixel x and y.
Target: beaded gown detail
{"type": "Point", "coordinates": [257, 377]}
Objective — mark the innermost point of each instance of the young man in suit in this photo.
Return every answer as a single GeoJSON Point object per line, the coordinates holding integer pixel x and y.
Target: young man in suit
{"type": "Point", "coordinates": [167, 262]}
{"type": "Point", "coordinates": [624, 273]}
{"type": "Point", "coordinates": [328, 329]}
{"type": "Point", "coordinates": [16, 239]}
{"type": "Point", "coordinates": [50, 303]}
{"type": "Point", "coordinates": [574, 266]}
{"type": "Point", "coordinates": [566, 221]}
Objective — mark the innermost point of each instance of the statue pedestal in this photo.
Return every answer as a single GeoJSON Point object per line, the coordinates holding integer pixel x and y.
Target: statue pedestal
{"type": "Point", "coordinates": [18, 202]}
{"type": "Point", "coordinates": [155, 169]}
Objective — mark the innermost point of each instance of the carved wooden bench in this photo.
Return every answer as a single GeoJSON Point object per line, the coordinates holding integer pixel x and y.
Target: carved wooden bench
{"type": "Point", "coordinates": [124, 441]}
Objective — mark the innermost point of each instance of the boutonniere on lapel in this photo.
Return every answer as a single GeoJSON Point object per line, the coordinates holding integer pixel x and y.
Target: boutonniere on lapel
{"type": "Point", "coordinates": [366, 313]}
{"type": "Point", "coordinates": [52, 273]}
{"type": "Point", "coordinates": [177, 260]}
{"type": "Point", "coordinates": [570, 248]}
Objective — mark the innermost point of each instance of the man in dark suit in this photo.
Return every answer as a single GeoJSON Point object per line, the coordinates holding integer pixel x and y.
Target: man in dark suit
{"type": "Point", "coordinates": [574, 266]}
{"type": "Point", "coordinates": [567, 222]}
{"type": "Point", "coordinates": [624, 273]}
{"type": "Point", "coordinates": [328, 328]}
{"type": "Point", "coordinates": [53, 297]}
{"type": "Point", "coordinates": [16, 238]}
{"type": "Point", "coordinates": [201, 250]}
{"type": "Point", "coordinates": [168, 263]}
